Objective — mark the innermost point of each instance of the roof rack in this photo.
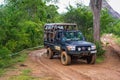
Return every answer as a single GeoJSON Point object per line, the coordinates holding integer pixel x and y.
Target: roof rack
{"type": "Point", "coordinates": [64, 24]}
{"type": "Point", "coordinates": [60, 26]}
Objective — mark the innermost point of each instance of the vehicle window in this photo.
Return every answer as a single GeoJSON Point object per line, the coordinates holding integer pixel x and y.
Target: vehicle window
{"type": "Point", "coordinates": [73, 36]}
{"type": "Point", "coordinates": [80, 36]}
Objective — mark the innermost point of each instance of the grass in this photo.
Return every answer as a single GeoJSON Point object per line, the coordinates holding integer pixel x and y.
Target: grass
{"type": "Point", "coordinates": [26, 71]}
{"type": "Point", "coordinates": [100, 59]}
{"type": "Point", "coordinates": [21, 57]}
{"type": "Point", "coordinates": [15, 58]}
{"type": "Point", "coordinates": [2, 71]}
{"type": "Point", "coordinates": [25, 75]}
{"type": "Point", "coordinates": [118, 40]}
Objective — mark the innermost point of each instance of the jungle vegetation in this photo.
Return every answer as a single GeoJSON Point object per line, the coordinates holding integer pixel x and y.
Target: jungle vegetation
{"type": "Point", "coordinates": [22, 21]}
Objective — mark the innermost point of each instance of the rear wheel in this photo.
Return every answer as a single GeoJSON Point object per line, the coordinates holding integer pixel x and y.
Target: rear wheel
{"type": "Point", "coordinates": [91, 59]}
{"type": "Point", "coordinates": [65, 58]}
{"type": "Point", "coordinates": [49, 53]}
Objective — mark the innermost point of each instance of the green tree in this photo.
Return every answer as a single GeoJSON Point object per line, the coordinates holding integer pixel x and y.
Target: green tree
{"type": "Point", "coordinates": [21, 24]}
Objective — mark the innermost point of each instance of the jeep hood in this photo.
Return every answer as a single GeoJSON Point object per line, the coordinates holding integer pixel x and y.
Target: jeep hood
{"type": "Point", "coordinates": [79, 43]}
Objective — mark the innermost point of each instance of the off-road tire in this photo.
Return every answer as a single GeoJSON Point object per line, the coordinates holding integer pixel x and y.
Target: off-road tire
{"type": "Point", "coordinates": [91, 59]}
{"type": "Point", "coordinates": [65, 58]}
{"type": "Point", "coordinates": [49, 53]}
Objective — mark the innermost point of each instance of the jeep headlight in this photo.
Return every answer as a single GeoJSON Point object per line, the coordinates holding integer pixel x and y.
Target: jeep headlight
{"type": "Point", "coordinates": [72, 48]}
{"type": "Point", "coordinates": [93, 47]}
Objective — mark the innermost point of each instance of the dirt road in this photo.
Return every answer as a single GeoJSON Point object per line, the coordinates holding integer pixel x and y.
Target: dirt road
{"type": "Point", "coordinates": [78, 70]}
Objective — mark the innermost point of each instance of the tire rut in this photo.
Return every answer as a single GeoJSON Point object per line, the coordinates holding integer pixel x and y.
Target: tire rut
{"type": "Point", "coordinates": [107, 70]}
{"type": "Point", "coordinates": [63, 71]}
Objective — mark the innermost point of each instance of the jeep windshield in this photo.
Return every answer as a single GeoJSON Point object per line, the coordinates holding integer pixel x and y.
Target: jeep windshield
{"type": "Point", "coordinates": [72, 36]}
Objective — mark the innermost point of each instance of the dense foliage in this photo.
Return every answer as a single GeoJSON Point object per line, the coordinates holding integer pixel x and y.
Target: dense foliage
{"type": "Point", "coordinates": [21, 25]}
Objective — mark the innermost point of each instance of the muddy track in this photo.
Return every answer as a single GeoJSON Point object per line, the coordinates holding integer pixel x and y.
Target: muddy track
{"type": "Point", "coordinates": [78, 70]}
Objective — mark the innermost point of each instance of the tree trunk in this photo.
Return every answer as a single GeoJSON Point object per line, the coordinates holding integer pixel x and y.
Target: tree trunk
{"type": "Point", "coordinates": [96, 8]}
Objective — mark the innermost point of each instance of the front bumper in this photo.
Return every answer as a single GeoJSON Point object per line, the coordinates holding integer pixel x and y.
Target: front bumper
{"type": "Point", "coordinates": [82, 52]}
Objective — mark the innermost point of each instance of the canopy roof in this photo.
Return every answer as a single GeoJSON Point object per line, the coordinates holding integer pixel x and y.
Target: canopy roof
{"type": "Point", "coordinates": [63, 24]}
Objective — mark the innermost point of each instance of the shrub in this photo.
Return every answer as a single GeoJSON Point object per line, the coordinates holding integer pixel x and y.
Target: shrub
{"type": "Point", "coordinates": [4, 57]}
{"type": "Point", "coordinates": [100, 51]}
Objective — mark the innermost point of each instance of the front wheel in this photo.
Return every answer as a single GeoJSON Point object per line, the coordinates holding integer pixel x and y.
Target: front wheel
{"type": "Point", "coordinates": [49, 53]}
{"type": "Point", "coordinates": [91, 59]}
{"type": "Point", "coordinates": [65, 58]}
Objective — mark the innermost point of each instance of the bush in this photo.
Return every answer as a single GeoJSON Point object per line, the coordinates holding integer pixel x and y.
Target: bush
{"type": "Point", "coordinates": [7, 60]}
{"type": "Point", "coordinates": [100, 51]}
{"type": "Point", "coordinates": [116, 29]}
{"type": "Point", "coordinates": [34, 33]}
{"type": "Point", "coordinates": [4, 57]}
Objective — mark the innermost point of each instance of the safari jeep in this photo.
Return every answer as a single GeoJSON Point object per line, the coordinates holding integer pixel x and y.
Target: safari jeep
{"type": "Point", "coordinates": [66, 40]}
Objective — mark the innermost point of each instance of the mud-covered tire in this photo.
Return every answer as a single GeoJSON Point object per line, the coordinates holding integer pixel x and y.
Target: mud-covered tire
{"type": "Point", "coordinates": [49, 53]}
{"type": "Point", "coordinates": [91, 59]}
{"type": "Point", "coordinates": [65, 58]}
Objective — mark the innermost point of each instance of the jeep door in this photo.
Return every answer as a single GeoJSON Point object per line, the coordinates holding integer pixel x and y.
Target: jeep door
{"type": "Point", "coordinates": [57, 42]}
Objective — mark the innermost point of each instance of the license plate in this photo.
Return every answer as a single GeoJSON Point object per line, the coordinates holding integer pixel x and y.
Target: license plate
{"type": "Point", "coordinates": [93, 51]}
